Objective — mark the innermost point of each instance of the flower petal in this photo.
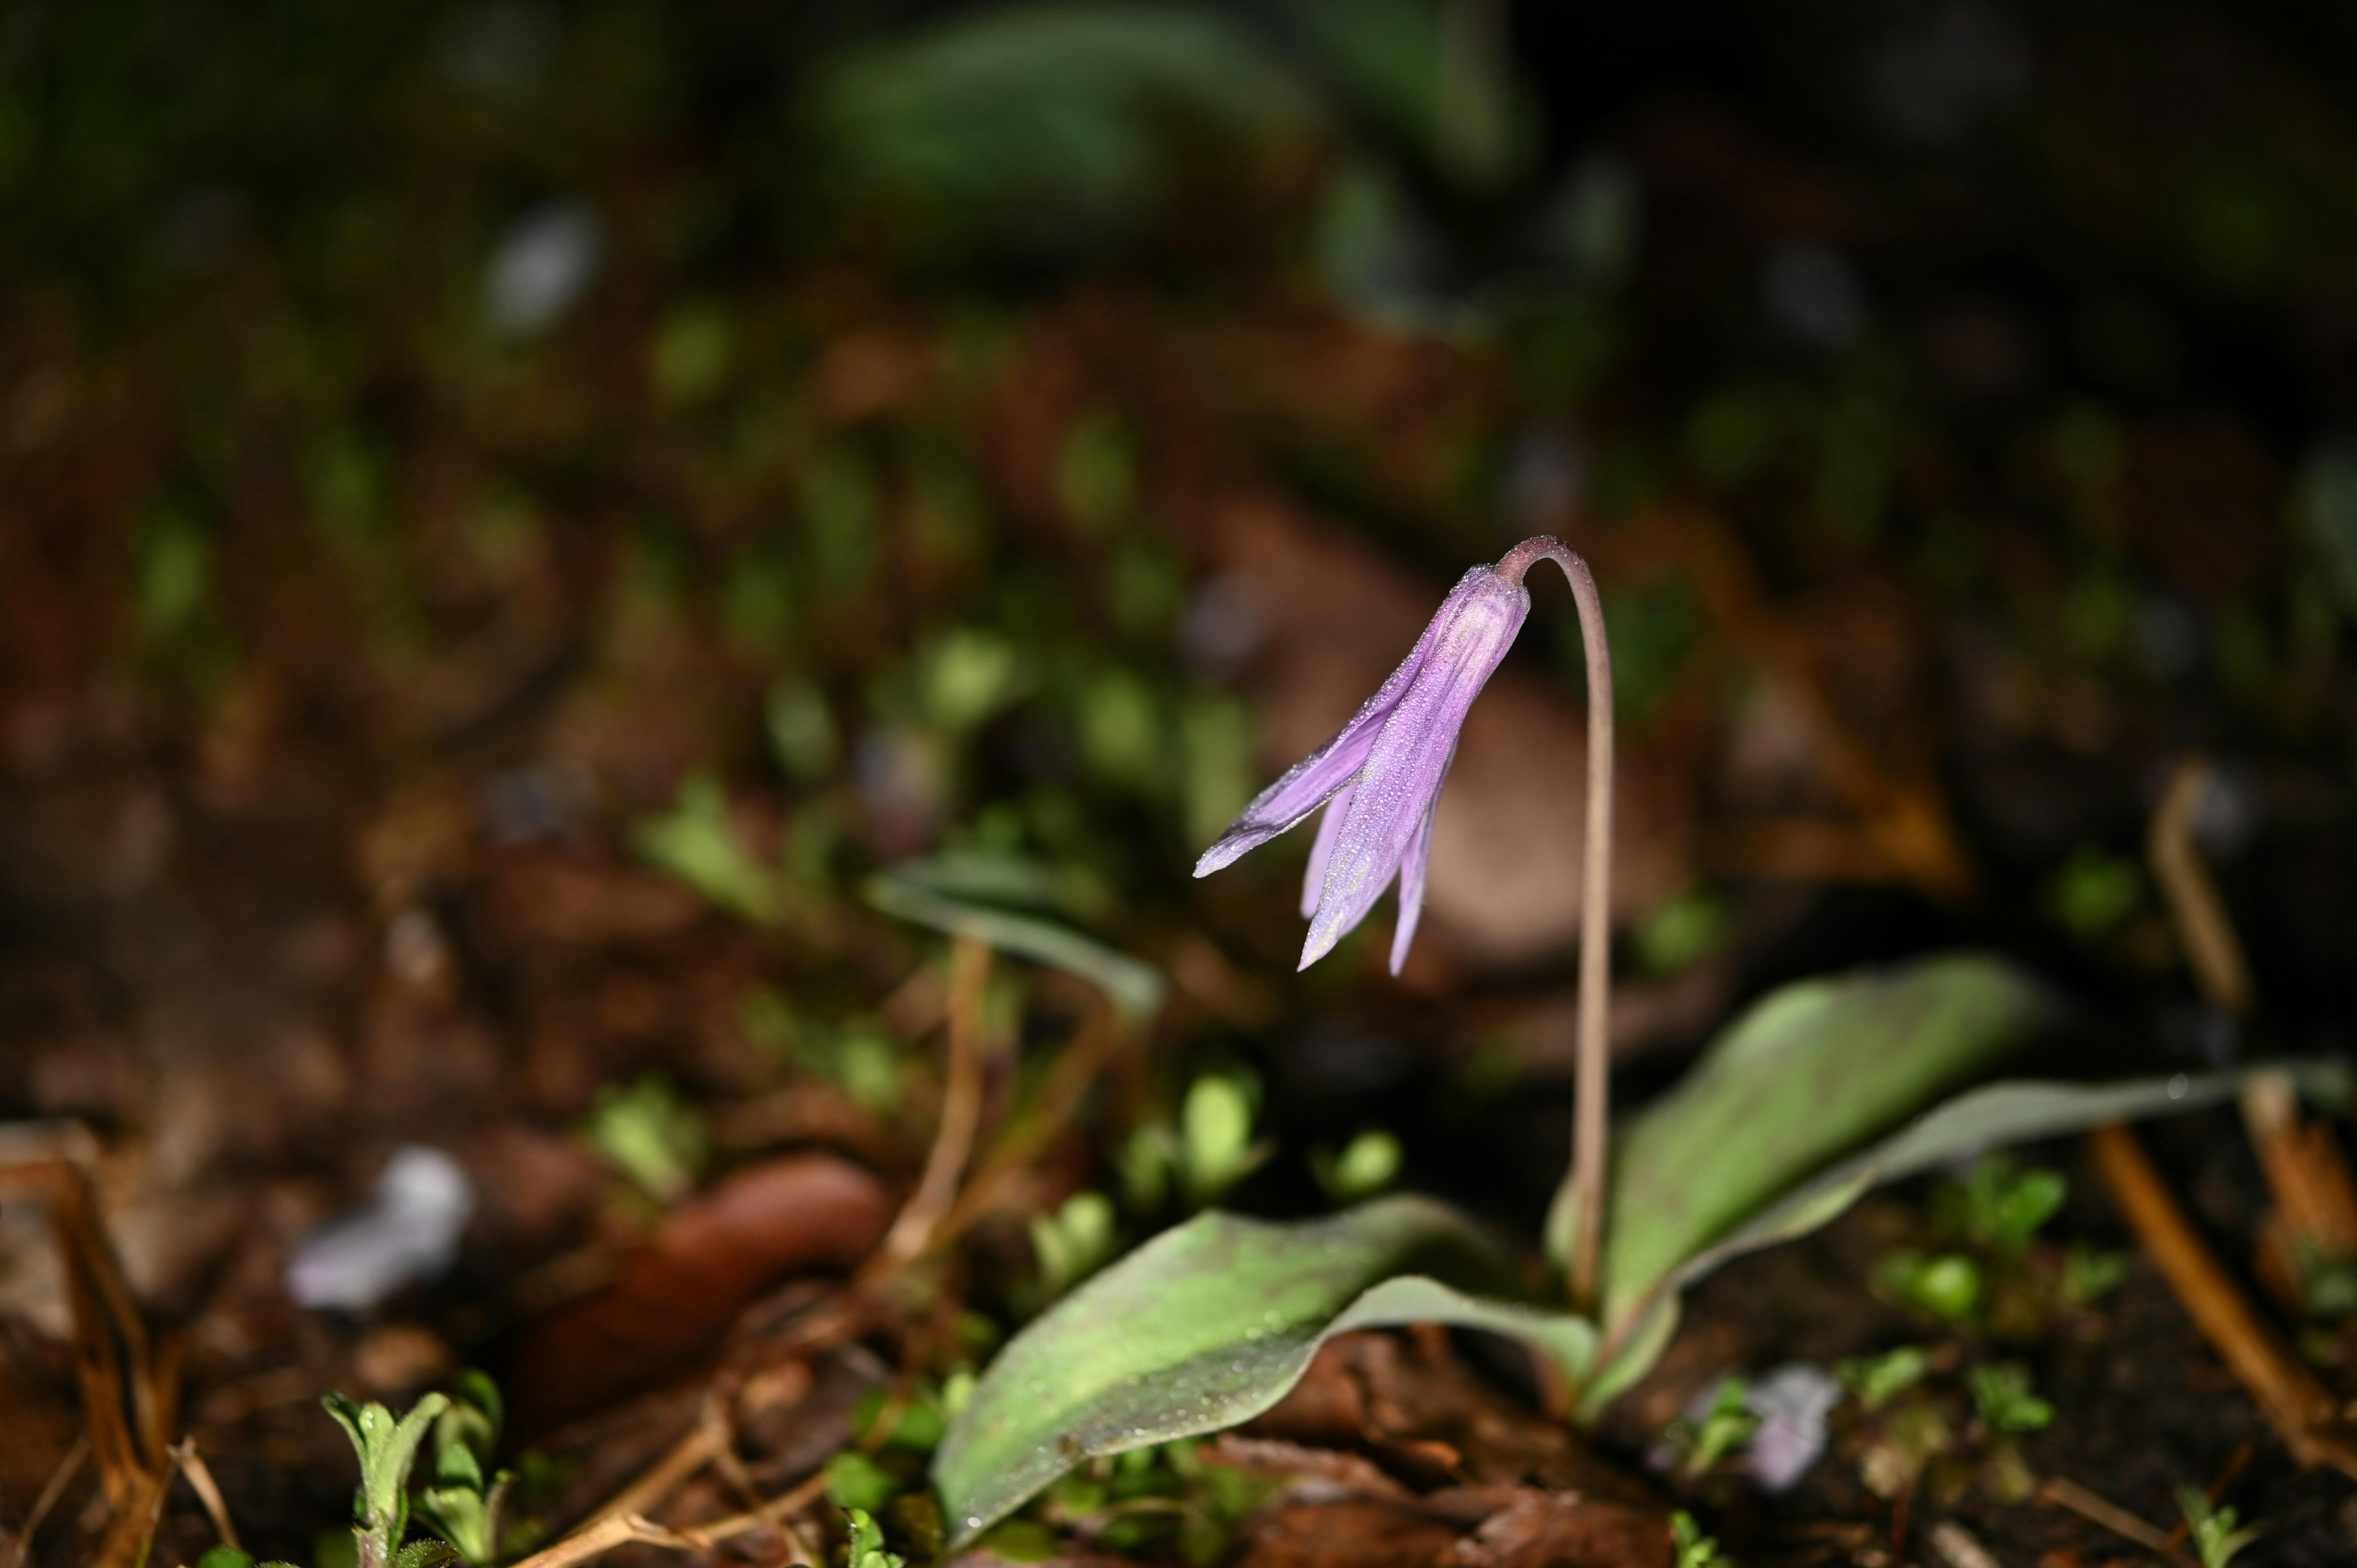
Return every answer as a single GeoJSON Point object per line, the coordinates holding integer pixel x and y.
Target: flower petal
{"type": "Point", "coordinates": [1309, 782]}
{"type": "Point", "coordinates": [1412, 868]}
{"type": "Point", "coordinates": [1330, 827]}
{"type": "Point", "coordinates": [1410, 754]}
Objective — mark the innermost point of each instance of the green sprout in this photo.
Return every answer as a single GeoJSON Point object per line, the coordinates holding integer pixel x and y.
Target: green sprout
{"type": "Point", "coordinates": [1215, 1143]}
{"type": "Point", "coordinates": [866, 1547]}
{"type": "Point", "coordinates": [1073, 1242]}
{"type": "Point", "coordinates": [1997, 1209]}
{"type": "Point", "coordinates": [1727, 1426]}
{"type": "Point", "coordinates": [2215, 1539]}
{"type": "Point", "coordinates": [1368, 1164]}
{"type": "Point", "coordinates": [387, 1448]}
{"type": "Point", "coordinates": [1879, 1380]}
{"type": "Point", "coordinates": [652, 1133]}
{"type": "Point", "coordinates": [2003, 1394]}
{"type": "Point", "coordinates": [1695, 1550]}
{"type": "Point", "coordinates": [696, 842]}
{"type": "Point", "coordinates": [462, 1499]}
{"type": "Point", "coordinates": [1947, 1286]}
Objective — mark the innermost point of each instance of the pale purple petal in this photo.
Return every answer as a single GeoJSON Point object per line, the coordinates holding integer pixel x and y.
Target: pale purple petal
{"type": "Point", "coordinates": [1412, 867]}
{"type": "Point", "coordinates": [1309, 782]}
{"type": "Point", "coordinates": [1330, 827]}
{"type": "Point", "coordinates": [1410, 754]}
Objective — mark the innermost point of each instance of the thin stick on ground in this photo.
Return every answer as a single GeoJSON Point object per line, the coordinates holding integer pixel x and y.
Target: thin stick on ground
{"type": "Point", "coordinates": [622, 1529]}
{"type": "Point", "coordinates": [51, 1490]}
{"type": "Point", "coordinates": [200, 1481]}
{"type": "Point", "coordinates": [2288, 1393]}
{"type": "Point", "coordinates": [2097, 1509]}
{"type": "Point", "coordinates": [2307, 1175]}
{"type": "Point", "coordinates": [961, 1114]}
{"type": "Point", "coordinates": [1592, 1116]}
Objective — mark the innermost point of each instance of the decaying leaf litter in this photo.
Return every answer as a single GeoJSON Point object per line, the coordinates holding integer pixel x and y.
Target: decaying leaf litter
{"type": "Point", "coordinates": [600, 772]}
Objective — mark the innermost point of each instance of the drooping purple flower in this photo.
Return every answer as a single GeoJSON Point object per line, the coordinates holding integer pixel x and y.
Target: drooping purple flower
{"type": "Point", "coordinates": [1380, 779]}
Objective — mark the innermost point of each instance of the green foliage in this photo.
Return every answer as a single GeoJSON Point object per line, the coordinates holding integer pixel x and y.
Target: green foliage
{"type": "Point", "coordinates": [1695, 1549]}
{"type": "Point", "coordinates": [1368, 1164]}
{"type": "Point", "coordinates": [1997, 1207]}
{"type": "Point", "coordinates": [657, 1138]}
{"type": "Point", "coordinates": [801, 730]}
{"type": "Point", "coordinates": [1073, 1242]}
{"type": "Point", "coordinates": [2095, 892]}
{"type": "Point", "coordinates": [997, 899]}
{"type": "Point", "coordinates": [1800, 1078]}
{"type": "Point", "coordinates": [967, 677]}
{"type": "Point", "coordinates": [1879, 1380]}
{"type": "Point", "coordinates": [2215, 1539]}
{"type": "Point", "coordinates": [386, 1448]}
{"type": "Point", "coordinates": [1947, 1285]}
{"type": "Point", "coordinates": [1206, 1325]}
{"type": "Point", "coordinates": [697, 843]}
{"type": "Point", "coordinates": [2002, 1394]}
{"type": "Point", "coordinates": [2088, 1274]}
{"type": "Point", "coordinates": [866, 1547]}
{"type": "Point", "coordinates": [1215, 1144]}
{"type": "Point", "coordinates": [856, 1482]}
{"type": "Point", "coordinates": [463, 1495]}
{"type": "Point", "coordinates": [1096, 473]}
{"type": "Point", "coordinates": [1680, 929]}
{"type": "Point", "coordinates": [1726, 1425]}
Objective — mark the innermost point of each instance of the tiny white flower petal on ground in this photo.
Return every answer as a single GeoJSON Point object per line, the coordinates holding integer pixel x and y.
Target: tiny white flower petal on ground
{"type": "Point", "coordinates": [408, 1233]}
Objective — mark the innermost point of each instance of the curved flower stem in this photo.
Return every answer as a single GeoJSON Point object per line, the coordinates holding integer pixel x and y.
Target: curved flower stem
{"type": "Point", "coordinates": [1590, 1126]}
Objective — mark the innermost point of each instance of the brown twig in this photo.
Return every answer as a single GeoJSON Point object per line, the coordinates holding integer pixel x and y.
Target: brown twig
{"type": "Point", "coordinates": [961, 1114]}
{"type": "Point", "coordinates": [192, 1465]}
{"type": "Point", "coordinates": [622, 1529]}
{"type": "Point", "coordinates": [2288, 1393]}
{"type": "Point", "coordinates": [2097, 1509]}
{"type": "Point", "coordinates": [51, 1490]}
{"type": "Point", "coordinates": [681, 1461]}
{"type": "Point", "coordinates": [2315, 1198]}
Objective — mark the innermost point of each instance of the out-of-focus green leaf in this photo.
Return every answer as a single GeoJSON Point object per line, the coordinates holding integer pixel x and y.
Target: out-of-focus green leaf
{"type": "Point", "coordinates": [932, 894]}
{"type": "Point", "coordinates": [1210, 1323]}
{"type": "Point", "coordinates": [1051, 119]}
{"type": "Point", "coordinates": [696, 842]}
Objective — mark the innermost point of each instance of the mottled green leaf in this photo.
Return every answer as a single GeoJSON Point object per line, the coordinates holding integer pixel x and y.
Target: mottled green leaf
{"type": "Point", "coordinates": [1209, 1324]}
{"type": "Point", "coordinates": [1805, 1076]}
{"type": "Point", "coordinates": [2018, 1111]}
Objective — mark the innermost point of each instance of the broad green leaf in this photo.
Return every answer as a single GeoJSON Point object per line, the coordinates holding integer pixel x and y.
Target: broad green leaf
{"type": "Point", "coordinates": [1803, 1077]}
{"type": "Point", "coordinates": [1136, 987]}
{"type": "Point", "coordinates": [2018, 1111]}
{"type": "Point", "coordinates": [1209, 1324]}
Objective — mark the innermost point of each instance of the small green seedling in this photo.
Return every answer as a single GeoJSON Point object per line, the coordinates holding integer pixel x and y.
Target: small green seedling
{"type": "Point", "coordinates": [1215, 1137]}
{"type": "Point", "coordinates": [2088, 1273]}
{"type": "Point", "coordinates": [1947, 1286]}
{"type": "Point", "coordinates": [1695, 1550]}
{"type": "Point", "coordinates": [1879, 1380]}
{"type": "Point", "coordinates": [462, 1498]}
{"type": "Point", "coordinates": [652, 1133]}
{"type": "Point", "coordinates": [2215, 1539]}
{"type": "Point", "coordinates": [2002, 1392]}
{"type": "Point", "coordinates": [866, 1547]}
{"type": "Point", "coordinates": [387, 1448]}
{"type": "Point", "coordinates": [1368, 1164]}
{"type": "Point", "coordinates": [1073, 1242]}
{"type": "Point", "coordinates": [1997, 1207]}
{"type": "Point", "coordinates": [1727, 1426]}
{"type": "Point", "coordinates": [697, 843]}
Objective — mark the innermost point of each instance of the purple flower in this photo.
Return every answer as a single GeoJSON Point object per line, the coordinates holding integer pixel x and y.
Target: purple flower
{"type": "Point", "coordinates": [1380, 779]}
